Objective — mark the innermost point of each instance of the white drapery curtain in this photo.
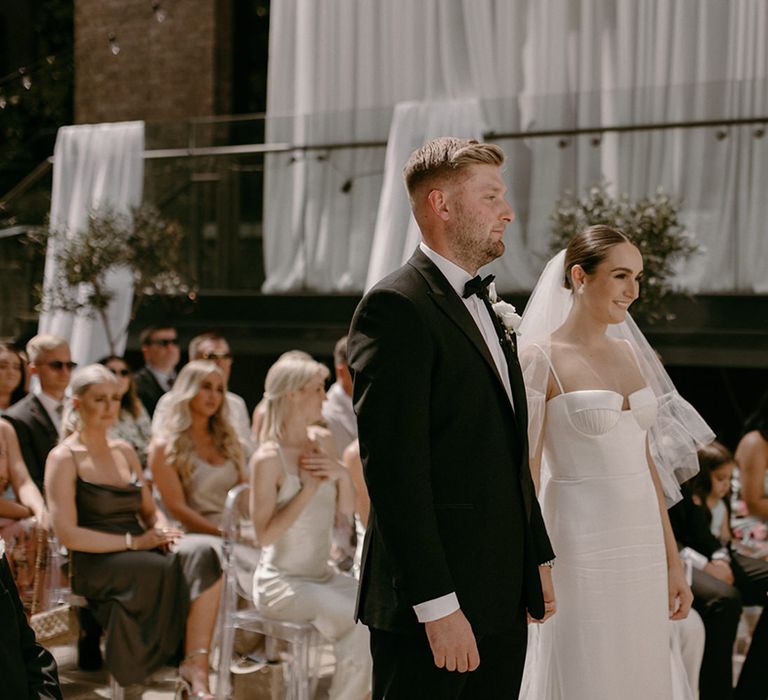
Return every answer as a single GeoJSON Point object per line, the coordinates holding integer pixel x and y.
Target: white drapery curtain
{"type": "Point", "coordinates": [360, 70]}
{"type": "Point", "coordinates": [96, 167]}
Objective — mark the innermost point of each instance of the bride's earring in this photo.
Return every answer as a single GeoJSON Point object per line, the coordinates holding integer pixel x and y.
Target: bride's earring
{"type": "Point", "coordinates": [580, 290]}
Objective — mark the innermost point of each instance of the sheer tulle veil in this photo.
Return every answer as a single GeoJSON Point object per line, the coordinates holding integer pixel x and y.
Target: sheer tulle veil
{"type": "Point", "coordinates": [679, 429]}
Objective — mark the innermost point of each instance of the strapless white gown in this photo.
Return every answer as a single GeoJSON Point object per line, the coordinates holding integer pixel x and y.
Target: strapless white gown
{"type": "Point", "coordinates": [610, 637]}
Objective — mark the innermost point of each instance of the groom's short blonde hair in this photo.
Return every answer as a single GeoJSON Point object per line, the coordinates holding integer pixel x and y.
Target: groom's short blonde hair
{"type": "Point", "coordinates": [446, 157]}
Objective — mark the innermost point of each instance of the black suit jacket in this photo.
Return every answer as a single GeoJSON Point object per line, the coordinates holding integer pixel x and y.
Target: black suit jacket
{"type": "Point", "coordinates": [453, 506]}
{"type": "Point", "coordinates": [27, 669]}
{"type": "Point", "coordinates": [148, 389]}
{"type": "Point", "coordinates": [36, 432]}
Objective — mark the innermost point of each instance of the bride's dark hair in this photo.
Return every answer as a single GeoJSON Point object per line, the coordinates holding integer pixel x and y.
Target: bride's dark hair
{"type": "Point", "coordinates": [759, 419]}
{"type": "Point", "coordinates": [589, 248]}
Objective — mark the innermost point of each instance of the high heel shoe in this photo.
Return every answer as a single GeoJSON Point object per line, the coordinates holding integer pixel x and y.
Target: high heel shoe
{"type": "Point", "coordinates": [184, 681]}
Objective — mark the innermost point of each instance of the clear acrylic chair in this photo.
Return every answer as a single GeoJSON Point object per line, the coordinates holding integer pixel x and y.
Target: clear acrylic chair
{"type": "Point", "coordinates": [237, 532]}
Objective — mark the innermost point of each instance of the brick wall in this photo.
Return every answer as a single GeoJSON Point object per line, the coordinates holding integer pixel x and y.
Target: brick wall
{"type": "Point", "coordinates": [165, 71]}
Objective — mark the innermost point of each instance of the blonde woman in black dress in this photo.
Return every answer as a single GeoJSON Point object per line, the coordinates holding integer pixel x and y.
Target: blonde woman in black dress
{"type": "Point", "coordinates": [149, 596]}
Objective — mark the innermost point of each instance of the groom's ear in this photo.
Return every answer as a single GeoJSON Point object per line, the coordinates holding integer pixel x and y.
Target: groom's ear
{"type": "Point", "coordinates": [438, 203]}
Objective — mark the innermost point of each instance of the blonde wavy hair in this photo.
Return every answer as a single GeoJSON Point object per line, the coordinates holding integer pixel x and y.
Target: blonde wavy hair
{"type": "Point", "coordinates": [177, 423]}
{"type": "Point", "coordinates": [82, 380]}
{"type": "Point", "coordinates": [290, 373]}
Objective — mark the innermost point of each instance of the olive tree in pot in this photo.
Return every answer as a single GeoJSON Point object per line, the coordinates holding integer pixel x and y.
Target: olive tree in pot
{"type": "Point", "coordinates": [143, 242]}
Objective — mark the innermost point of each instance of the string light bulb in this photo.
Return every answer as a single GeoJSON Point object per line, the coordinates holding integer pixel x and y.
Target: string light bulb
{"type": "Point", "coordinates": [114, 47]}
{"type": "Point", "coordinates": [158, 11]}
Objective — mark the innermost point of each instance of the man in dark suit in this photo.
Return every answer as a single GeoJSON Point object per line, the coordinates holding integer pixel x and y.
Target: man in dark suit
{"type": "Point", "coordinates": [160, 347]}
{"type": "Point", "coordinates": [37, 422]}
{"type": "Point", "coordinates": [37, 417]}
{"type": "Point", "coordinates": [456, 549]}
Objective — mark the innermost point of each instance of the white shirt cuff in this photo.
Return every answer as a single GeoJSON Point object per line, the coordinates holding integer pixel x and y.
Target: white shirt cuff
{"type": "Point", "coordinates": [698, 560]}
{"type": "Point", "coordinates": [431, 610]}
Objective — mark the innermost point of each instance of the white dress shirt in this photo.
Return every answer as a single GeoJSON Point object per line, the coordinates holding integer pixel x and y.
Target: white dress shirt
{"type": "Point", "coordinates": [53, 407]}
{"type": "Point", "coordinates": [339, 416]}
{"type": "Point", "coordinates": [164, 379]}
{"type": "Point", "coordinates": [457, 277]}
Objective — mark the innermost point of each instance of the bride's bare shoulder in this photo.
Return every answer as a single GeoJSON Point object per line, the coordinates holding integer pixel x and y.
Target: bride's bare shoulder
{"type": "Point", "coordinates": [624, 349]}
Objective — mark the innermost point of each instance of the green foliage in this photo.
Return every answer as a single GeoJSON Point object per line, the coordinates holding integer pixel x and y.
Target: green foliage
{"type": "Point", "coordinates": [143, 242]}
{"type": "Point", "coordinates": [653, 225]}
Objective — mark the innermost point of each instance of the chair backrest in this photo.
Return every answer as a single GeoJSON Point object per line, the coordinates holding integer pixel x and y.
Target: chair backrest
{"type": "Point", "coordinates": [240, 549]}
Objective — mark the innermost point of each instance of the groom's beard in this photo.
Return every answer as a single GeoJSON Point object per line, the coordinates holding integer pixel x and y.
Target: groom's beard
{"type": "Point", "coordinates": [471, 242]}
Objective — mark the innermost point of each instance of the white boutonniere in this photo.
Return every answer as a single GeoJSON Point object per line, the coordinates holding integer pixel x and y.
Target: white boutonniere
{"type": "Point", "coordinates": [2, 547]}
{"type": "Point", "coordinates": [507, 313]}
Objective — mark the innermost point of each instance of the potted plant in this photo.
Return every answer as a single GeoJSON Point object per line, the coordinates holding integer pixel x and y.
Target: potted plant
{"type": "Point", "coordinates": [143, 242]}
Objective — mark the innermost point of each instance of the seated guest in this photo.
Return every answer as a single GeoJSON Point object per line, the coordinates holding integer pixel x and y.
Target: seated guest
{"type": "Point", "coordinates": [20, 515]}
{"type": "Point", "coordinates": [150, 595]}
{"type": "Point", "coordinates": [752, 458]}
{"type": "Point", "coordinates": [354, 465]}
{"type": "Point", "coordinates": [711, 490]}
{"type": "Point", "coordinates": [12, 377]}
{"type": "Point", "coordinates": [723, 581]}
{"type": "Point", "coordinates": [338, 413]}
{"type": "Point", "coordinates": [132, 423]}
{"type": "Point", "coordinates": [198, 457]}
{"type": "Point", "coordinates": [27, 669]}
{"type": "Point", "coordinates": [213, 347]}
{"type": "Point", "coordinates": [297, 489]}
{"type": "Point", "coordinates": [37, 417]}
{"type": "Point", "coordinates": [160, 348]}
{"type": "Point", "coordinates": [258, 413]}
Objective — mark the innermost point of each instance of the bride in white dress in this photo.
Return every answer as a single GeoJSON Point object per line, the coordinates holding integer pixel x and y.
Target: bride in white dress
{"type": "Point", "coordinates": [599, 402]}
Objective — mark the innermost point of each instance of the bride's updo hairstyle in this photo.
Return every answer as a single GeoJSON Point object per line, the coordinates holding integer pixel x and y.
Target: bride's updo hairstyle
{"type": "Point", "coordinates": [82, 380]}
{"type": "Point", "coordinates": [589, 248]}
{"type": "Point", "coordinates": [291, 372]}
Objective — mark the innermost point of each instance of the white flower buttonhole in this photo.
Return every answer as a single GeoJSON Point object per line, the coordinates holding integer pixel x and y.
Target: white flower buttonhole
{"type": "Point", "coordinates": [507, 313]}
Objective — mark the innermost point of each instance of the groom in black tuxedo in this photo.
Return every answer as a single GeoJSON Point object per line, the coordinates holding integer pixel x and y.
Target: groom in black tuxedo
{"type": "Point", "coordinates": [456, 549]}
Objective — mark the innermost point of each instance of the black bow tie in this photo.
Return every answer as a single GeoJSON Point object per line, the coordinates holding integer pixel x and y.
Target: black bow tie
{"type": "Point", "coordinates": [478, 285]}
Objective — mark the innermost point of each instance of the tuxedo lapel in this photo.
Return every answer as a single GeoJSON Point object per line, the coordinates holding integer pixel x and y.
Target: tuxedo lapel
{"type": "Point", "coordinates": [449, 302]}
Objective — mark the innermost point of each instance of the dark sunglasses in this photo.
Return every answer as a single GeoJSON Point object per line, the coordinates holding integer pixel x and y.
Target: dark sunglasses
{"type": "Point", "coordinates": [164, 342]}
{"type": "Point", "coordinates": [120, 372]}
{"type": "Point", "coordinates": [216, 356]}
{"type": "Point", "coordinates": [58, 365]}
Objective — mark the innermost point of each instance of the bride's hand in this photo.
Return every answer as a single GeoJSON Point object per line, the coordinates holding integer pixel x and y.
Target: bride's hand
{"type": "Point", "coordinates": [680, 595]}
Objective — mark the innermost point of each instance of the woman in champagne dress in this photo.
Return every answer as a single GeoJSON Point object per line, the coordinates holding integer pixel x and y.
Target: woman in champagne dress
{"type": "Point", "coordinates": [594, 399]}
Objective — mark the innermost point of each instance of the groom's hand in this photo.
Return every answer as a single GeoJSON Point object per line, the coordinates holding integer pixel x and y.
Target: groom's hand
{"type": "Point", "coordinates": [453, 643]}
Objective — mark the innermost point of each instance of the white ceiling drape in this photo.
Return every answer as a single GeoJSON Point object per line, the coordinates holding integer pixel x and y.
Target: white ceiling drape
{"type": "Point", "coordinates": [403, 71]}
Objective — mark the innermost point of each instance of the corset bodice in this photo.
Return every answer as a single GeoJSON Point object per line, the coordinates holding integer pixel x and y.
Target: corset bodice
{"type": "Point", "coordinates": [589, 434]}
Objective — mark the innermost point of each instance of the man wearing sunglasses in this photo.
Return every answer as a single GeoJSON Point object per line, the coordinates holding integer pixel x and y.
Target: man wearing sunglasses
{"type": "Point", "coordinates": [160, 347]}
{"type": "Point", "coordinates": [37, 417]}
